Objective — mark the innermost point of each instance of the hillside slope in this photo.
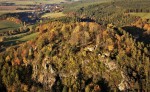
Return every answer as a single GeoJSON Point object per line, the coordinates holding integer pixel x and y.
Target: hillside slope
{"type": "Point", "coordinates": [73, 57]}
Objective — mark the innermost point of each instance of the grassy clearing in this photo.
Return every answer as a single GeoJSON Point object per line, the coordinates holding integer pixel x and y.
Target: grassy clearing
{"type": "Point", "coordinates": [142, 15]}
{"type": "Point", "coordinates": [29, 37]}
{"type": "Point", "coordinates": [8, 25]}
{"type": "Point", "coordinates": [53, 15]}
{"type": "Point", "coordinates": [20, 39]}
{"type": "Point", "coordinates": [1, 13]}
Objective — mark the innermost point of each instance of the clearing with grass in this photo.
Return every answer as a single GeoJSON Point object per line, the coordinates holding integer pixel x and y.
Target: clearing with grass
{"type": "Point", "coordinates": [8, 25]}
{"type": "Point", "coordinates": [53, 15]}
{"type": "Point", "coordinates": [142, 15]}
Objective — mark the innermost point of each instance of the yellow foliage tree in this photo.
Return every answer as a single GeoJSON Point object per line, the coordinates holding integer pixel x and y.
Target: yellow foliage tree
{"type": "Point", "coordinates": [111, 47]}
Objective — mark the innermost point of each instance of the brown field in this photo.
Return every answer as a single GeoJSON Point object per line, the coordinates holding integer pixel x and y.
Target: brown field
{"type": "Point", "coordinates": [11, 7]}
{"type": "Point", "coordinates": [31, 2]}
{"type": "Point", "coordinates": [23, 4]}
{"type": "Point", "coordinates": [8, 7]}
{"type": "Point", "coordinates": [13, 11]}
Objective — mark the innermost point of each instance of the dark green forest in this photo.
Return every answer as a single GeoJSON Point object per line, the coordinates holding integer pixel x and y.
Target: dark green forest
{"type": "Point", "coordinates": [111, 12]}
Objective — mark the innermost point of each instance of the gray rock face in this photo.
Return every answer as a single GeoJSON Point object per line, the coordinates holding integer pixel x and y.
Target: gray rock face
{"type": "Point", "coordinates": [46, 74]}
{"type": "Point", "coordinates": [111, 65]}
{"type": "Point", "coordinates": [124, 85]}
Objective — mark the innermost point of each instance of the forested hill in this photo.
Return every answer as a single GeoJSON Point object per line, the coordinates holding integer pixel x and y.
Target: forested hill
{"type": "Point", "coordinates": [111, 52]}
{"type": "Point", "coordinates": [75, 57]}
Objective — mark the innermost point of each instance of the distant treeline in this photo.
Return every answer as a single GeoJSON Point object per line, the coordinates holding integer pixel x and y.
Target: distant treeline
{"type": "Point", "coordinates": [109, 12]}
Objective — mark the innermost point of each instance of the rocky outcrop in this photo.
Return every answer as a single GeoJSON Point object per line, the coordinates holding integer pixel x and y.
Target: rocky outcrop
{"type": "Point", "coordinates": [90, 48]}
{"type": "Point", "coordinates": [112, 67]}
{"type": "Point", "coordinates": [110, 64]}
{"type": "Point", "coordinates": [46, 74]}
{"type": "Point", "coordinates": [123, 86]}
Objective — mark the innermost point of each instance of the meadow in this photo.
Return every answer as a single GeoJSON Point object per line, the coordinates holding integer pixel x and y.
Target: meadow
{"type": "Point", "coordinates": [19, 38]}
{"type": "Point", "coordinates": [14, 39]}
{"type": "Point", "coordinates": [53, 15]}
{"type": "Point", "coordinates": [28, 37]}
{"type": "Point", "coordinates": [8, 25]}
{"type": "Point", "coordinates": [142, 15]}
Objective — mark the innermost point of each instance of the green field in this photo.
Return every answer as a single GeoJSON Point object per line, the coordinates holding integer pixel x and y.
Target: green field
{"type": "Point", "coordinates": [8, 25]}
{"type": "Point", "coordinates": [15, 39]}
{"type": "Point", "coordinates": [29, 37]}
{"type": "Point", "coordinates": [53, 15]}
{"type": "Point", "coordinates": [19, 39]}
{"type": "Point", "coordinates": [142, 15]}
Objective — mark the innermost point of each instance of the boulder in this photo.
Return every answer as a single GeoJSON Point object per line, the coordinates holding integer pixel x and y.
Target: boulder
{"type": "Point", "coordinates": [111, 65]}
{"type": "Point", "coordinates": [123, 86]}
